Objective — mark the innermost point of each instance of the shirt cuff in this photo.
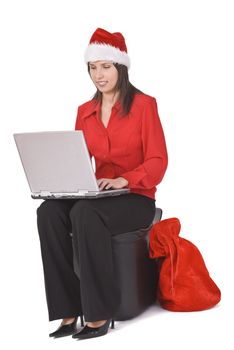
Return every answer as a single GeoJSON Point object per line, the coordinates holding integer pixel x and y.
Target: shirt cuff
{"type": "Point", "coordinates": [133, 177]}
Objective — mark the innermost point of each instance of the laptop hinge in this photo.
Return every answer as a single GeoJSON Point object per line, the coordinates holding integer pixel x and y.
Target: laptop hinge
{"type": "Point", "coordinates": [45, 193]}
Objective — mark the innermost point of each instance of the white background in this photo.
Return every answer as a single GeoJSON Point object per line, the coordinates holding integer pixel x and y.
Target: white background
{"type": "Point", "coordinates": [181, 53]}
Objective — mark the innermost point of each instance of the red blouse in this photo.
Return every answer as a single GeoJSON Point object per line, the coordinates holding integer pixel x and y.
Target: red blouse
{"type": "Point", "coordinates": [132, 146]}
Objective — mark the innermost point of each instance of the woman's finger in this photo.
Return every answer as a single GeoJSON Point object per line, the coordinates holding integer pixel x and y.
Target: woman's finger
{"type": "Point", "coordinates": [104, 183]}
{"type": "Point", "coordinates": [108, 186]}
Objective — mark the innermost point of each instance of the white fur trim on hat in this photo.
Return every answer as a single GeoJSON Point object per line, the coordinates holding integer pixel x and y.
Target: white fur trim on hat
{"type": "Point", "coordinates": [95, 52]}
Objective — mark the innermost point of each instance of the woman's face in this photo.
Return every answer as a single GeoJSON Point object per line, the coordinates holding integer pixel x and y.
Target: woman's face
{"type": "Point", "coordinates": [104, 75]}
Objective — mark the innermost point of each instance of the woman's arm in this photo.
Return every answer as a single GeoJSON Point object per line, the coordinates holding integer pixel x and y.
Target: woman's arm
{"type": "Point", "coordinates": [151, 171]}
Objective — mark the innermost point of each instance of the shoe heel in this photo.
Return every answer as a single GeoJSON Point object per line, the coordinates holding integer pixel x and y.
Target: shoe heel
{"type": "Point", "coordinates": [82, 320]}
{"type": "Point", "coordinates": [112, 324]}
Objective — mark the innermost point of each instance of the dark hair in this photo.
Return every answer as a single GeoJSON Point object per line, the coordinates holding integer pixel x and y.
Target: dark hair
{"type": "Point", "coordinates": [126, 89]}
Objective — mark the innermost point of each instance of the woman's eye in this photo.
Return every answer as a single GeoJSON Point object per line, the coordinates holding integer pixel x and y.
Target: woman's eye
{"type": "Point", "coordinates": [105, 67]}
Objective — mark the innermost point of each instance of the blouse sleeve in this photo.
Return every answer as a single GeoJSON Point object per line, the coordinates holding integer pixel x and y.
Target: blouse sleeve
{"type": "Point", "coordinates": [150, 173]}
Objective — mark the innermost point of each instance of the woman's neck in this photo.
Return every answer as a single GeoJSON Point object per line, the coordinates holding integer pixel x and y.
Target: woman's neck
{"type": "Point", "coordinates": [109, 99]}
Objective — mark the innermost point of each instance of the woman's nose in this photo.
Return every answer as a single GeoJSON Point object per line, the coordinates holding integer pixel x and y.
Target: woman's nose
{"type": "Point", "coordinates": [99, 73]}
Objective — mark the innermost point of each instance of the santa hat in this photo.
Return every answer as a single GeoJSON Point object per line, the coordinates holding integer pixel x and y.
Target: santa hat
{"type": "Point", "coordinates": [107, 46]}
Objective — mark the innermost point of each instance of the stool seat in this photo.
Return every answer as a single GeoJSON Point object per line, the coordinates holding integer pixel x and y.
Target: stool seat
{"type": "Point", "coordinates": [135, 271]}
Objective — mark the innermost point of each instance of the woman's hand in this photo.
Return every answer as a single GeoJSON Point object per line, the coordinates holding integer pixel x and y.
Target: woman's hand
{"type": "Point", "coordinates": [117, 183]}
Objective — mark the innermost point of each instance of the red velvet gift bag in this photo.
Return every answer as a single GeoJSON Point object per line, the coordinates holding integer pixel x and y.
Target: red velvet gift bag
{"type": "Point", "coordinates": [184, 281]}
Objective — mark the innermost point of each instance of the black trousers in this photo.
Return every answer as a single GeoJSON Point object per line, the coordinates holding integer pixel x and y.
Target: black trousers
{"type": "Point", "coordinates": [92, 221]}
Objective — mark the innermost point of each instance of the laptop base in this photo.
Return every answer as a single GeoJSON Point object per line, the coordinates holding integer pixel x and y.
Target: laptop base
{"type": "Point", "coordinates": [101, 194]}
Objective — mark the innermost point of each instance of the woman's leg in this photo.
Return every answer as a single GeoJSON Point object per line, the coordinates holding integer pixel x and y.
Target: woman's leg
{"type": "Point", "coordinates": [62, 285]}
{"type": "Point", "coordinates": [94, 221]}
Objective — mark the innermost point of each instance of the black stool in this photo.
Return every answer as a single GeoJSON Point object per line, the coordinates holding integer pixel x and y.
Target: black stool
{"type": "Point", "coordinates": [136, 272]}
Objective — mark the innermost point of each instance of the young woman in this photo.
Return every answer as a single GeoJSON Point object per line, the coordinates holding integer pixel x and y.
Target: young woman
{"type": "Point", "coordinates": [124, 134]}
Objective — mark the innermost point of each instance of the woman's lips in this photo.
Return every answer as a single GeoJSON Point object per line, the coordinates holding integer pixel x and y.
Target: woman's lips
{"type": "Point", "coordinates": [101, 83]}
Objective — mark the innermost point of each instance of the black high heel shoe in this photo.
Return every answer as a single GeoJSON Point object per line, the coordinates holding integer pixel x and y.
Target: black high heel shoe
{"type": "Point", "coordinates": [90, 332]}
{"type": "Point", "coordinates": [67, 329]}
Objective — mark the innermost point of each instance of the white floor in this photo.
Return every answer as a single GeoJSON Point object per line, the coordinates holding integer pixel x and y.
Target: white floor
{"type": "Point", "coordinates": [155, 328]}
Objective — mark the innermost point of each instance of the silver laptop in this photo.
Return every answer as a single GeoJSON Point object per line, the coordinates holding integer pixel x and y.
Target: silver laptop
{"type": "Point", "coordinates": [57, 164]}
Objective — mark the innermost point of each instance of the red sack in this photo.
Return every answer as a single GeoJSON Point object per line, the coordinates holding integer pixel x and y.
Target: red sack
{"type": "Point", "coordinates": [184, 281]}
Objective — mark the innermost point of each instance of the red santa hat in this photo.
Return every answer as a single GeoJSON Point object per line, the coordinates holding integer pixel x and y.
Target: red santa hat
{"type": "Point", "coordinates": [107, 46]}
